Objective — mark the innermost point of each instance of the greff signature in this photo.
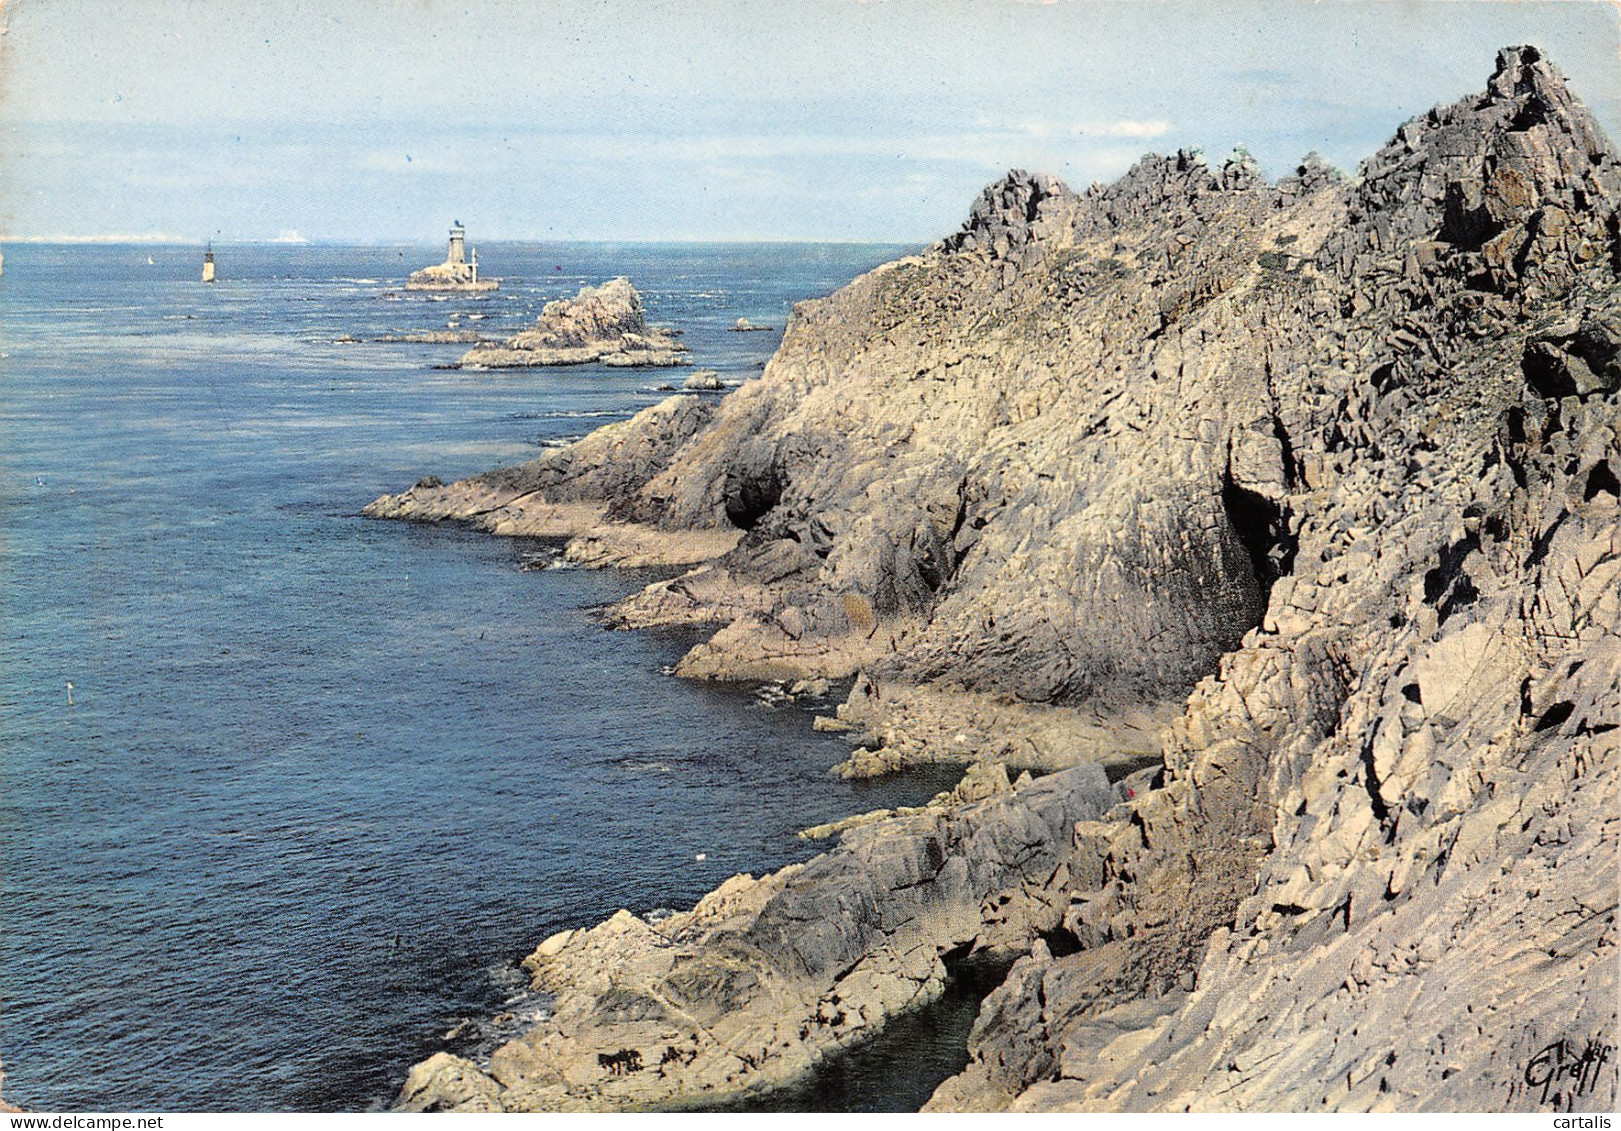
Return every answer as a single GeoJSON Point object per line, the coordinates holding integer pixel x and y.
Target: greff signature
{"type": "Point", "coordinates": [1561, 1064]}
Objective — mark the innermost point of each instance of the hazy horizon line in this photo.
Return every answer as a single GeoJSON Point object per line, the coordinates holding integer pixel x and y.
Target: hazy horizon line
{"type": "Point", "coordinates": [137, 240]}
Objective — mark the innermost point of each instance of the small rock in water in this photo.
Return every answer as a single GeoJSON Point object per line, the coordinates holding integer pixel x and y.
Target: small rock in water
{"type": "Point", "coordinates": [703, 380]}
{"type": "Point", "coordinates": [701, 857]}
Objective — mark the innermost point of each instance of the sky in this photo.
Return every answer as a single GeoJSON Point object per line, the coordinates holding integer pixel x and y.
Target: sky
{"type": "Point", "coordinates": [383, 120]}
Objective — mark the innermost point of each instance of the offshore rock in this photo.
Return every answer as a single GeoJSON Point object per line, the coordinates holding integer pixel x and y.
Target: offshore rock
{"type": "Point", "coordinates": [1309, 492]}
{"type": "Point", "coordinates": [703, 380]}
{"type": "Point", "coordinates": [602, 324]}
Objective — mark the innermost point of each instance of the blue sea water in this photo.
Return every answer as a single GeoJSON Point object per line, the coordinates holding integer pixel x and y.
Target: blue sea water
{"type": "Point", "coordinates": [324, 780]}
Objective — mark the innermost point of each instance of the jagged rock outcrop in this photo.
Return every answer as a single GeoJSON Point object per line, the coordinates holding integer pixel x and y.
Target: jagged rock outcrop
{"type": "Point", "coordinates": [581, 488]}
{"type": "Point", "coordinates": [1415, 754]}
{"type": "Point", "coordinates": [766, 977]}
{"type": "Point", "coordinates": [1316, 480]}
{"type": "Point", "coordinates": [1013, 217]}
{"type": "Point", "coordinates": [605, 325]}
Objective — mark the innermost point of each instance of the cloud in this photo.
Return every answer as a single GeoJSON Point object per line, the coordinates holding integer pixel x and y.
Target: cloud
{"type": "Point", "coordinates": [1044, 129]}
{"type": "Point", "coordinates": [990, 145]}
{"type": "Point", "coordinates": [1130, 127]}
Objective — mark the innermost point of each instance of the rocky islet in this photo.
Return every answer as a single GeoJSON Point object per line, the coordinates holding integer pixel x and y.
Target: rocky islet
{"type": "Point", "coordinates": [1295, 501]}
{"type": "Point", "coordinates": [604, 325]}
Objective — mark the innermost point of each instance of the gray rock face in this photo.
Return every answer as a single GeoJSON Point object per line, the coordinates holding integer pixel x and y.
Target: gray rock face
{"type": "Point", "coordinates": [579, 492]}
{"type": "Point", "coordinates": [1412, 763]}
{"type": "Point", "coordinates": [766, 977]}
{"type": "Point", "coordinates": [1314, 485]}
{"type": "Point", "coordinates": [600, 324]}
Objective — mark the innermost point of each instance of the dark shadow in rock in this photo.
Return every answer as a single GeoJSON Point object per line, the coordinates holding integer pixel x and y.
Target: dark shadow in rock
{"type": "Point", "coordinates": [749, 497]}
{"type": "Point", "coordinates": [1601, 478]}
{"type": "Point", "coordinates": [1448, 586]}
{"type": "Point", "coordinates": [1262, 527]}
{"type": "Point", "coordinates": [900, 1067]}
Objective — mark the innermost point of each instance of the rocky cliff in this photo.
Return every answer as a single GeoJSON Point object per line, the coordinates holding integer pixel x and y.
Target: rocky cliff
{"type": "Point", "coordinates": [600, 324]}
{"type": "Point", "coordinates": [764, 978]}
{"type": "Point", "coordinates": [1309, 491]}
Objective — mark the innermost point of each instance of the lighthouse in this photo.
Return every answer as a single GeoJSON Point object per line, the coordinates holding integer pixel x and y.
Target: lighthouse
{"type": "Point", "coordinates": [208, 264]}
{"type": "Point", "coordinates": [459, 271]}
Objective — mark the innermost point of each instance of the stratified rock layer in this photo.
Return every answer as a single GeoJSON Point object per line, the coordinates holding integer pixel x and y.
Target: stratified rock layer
{"type": "Point", "coordinates": [1313, 486]}
{"type": "Point", "coordinates": [766, 977]}
{"type": "Point", "coordinates": [602, 324]}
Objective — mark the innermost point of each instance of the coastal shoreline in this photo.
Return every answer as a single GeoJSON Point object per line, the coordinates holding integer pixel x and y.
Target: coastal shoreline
{"type": "Point", "coordinates": [1308, 484]}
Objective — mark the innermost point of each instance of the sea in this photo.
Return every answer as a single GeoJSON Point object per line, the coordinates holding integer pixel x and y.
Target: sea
{"type": "Point", "coordinates": [287, 793]}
